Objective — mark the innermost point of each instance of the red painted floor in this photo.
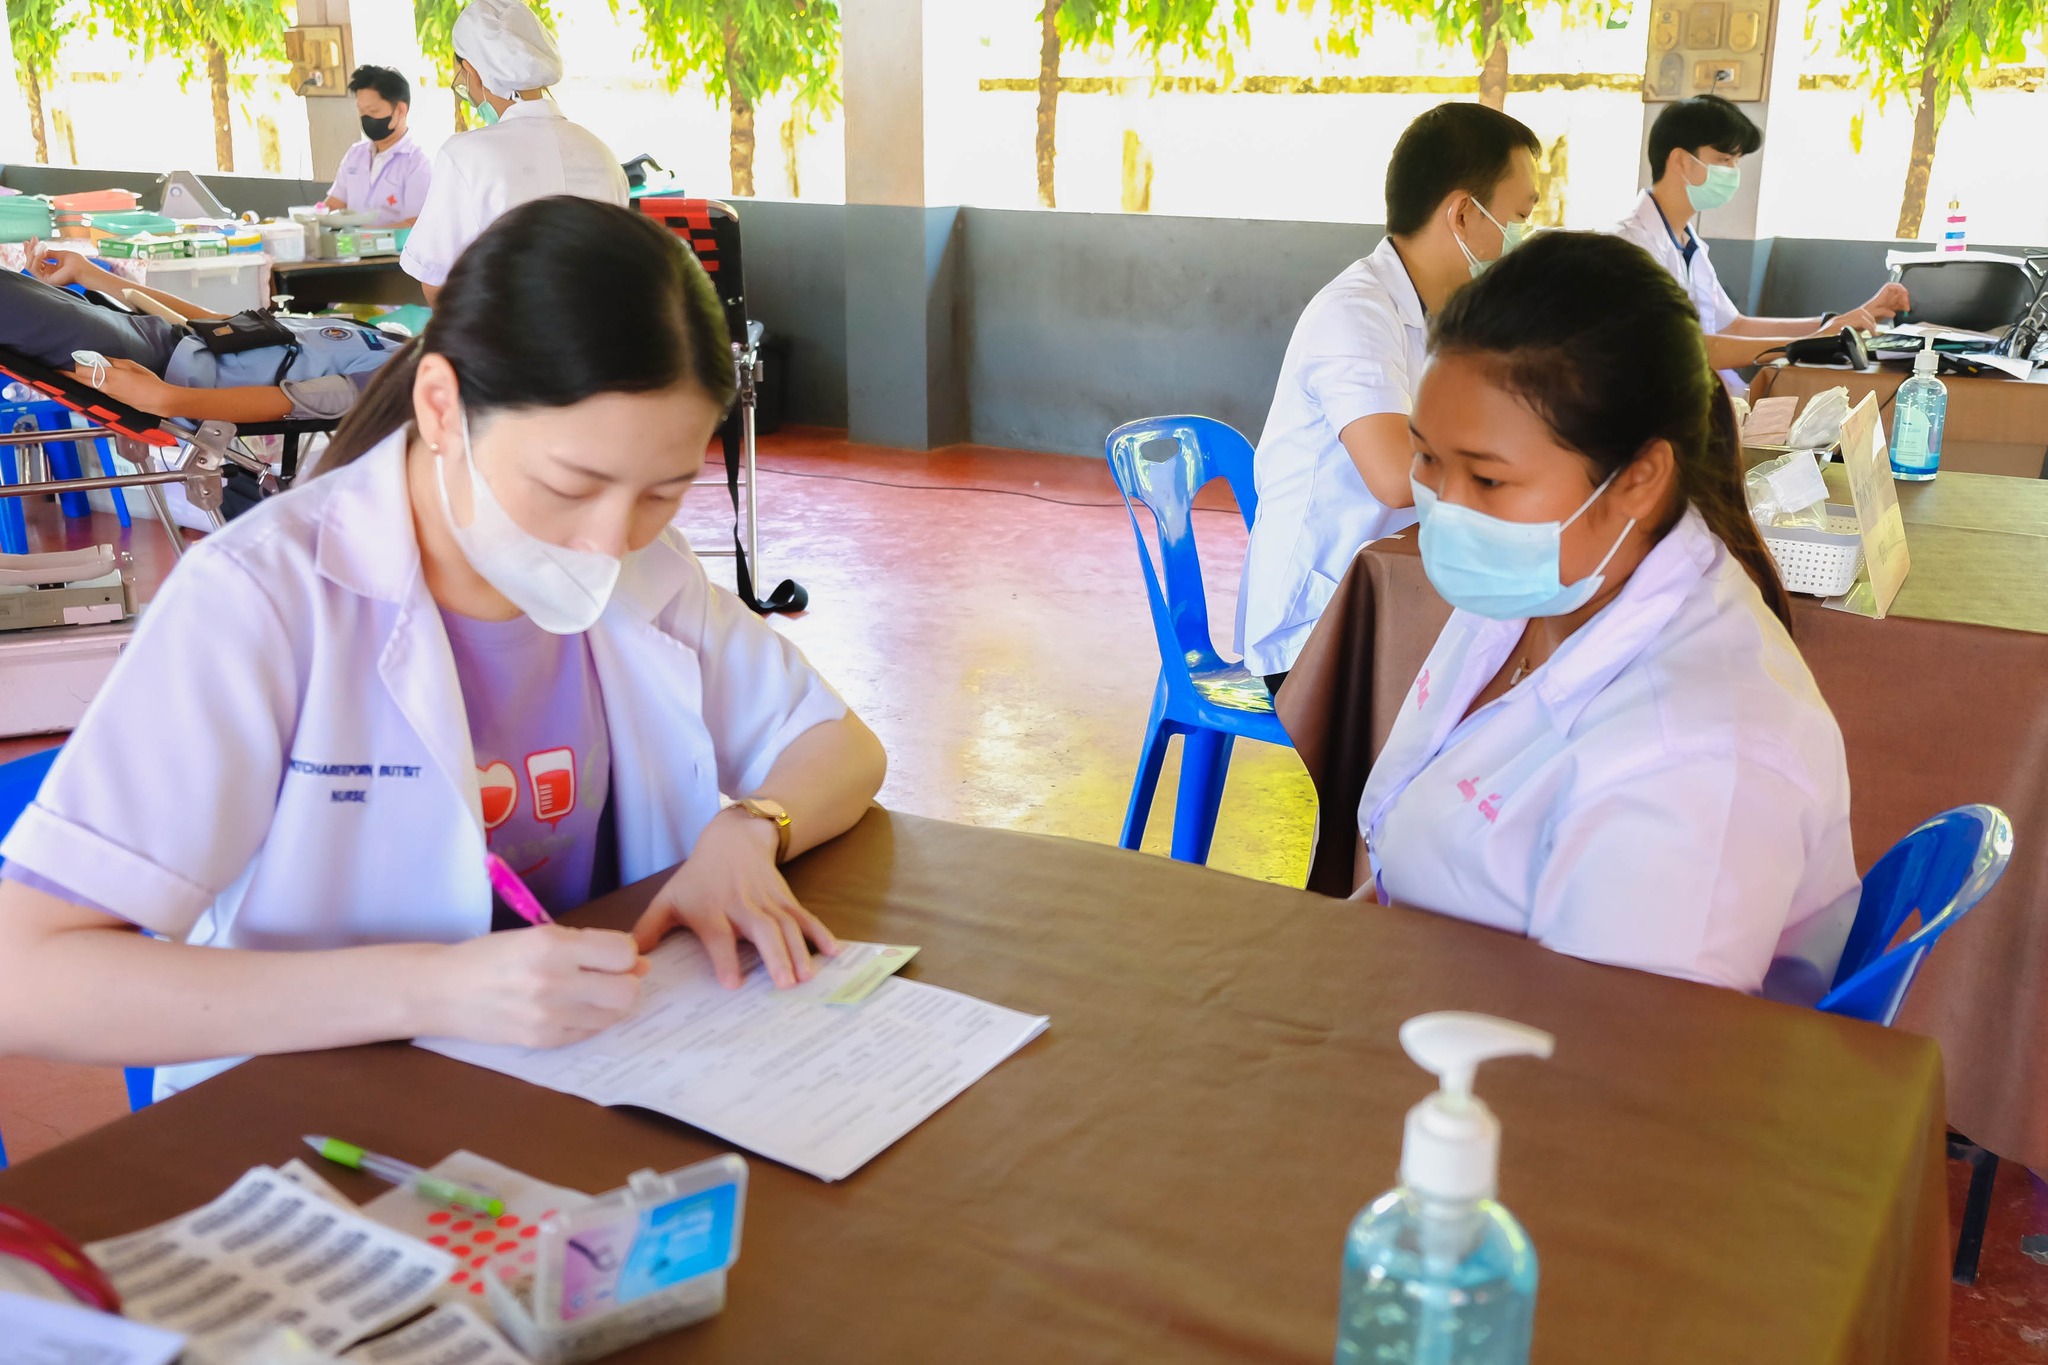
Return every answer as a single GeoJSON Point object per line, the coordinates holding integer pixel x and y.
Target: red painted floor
{"type": "Point", "coordinates": [983, 611]}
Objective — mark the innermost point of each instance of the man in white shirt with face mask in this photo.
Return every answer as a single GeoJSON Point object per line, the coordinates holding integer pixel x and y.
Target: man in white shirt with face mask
{"type": "Point", "coordinates": [1332, 466]}
{"type": "Point", "coordinates": [1696, 151]}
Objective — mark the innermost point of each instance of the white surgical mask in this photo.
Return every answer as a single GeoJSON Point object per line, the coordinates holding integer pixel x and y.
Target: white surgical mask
{"type": "Point", "coordinates": [562, 590]}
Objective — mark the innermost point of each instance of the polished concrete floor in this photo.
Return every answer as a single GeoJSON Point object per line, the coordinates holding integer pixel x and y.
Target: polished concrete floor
{"type": "Point", "coordinates": [983, 610]}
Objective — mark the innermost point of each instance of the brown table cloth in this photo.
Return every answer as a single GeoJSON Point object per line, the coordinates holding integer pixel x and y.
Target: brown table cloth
{"type": "Point", "coordinates": [1995, 426]}
{"type": "Point", "coordinates": [1168, 1173]}
{"type": "Point", "coordinates": [1942, 704]}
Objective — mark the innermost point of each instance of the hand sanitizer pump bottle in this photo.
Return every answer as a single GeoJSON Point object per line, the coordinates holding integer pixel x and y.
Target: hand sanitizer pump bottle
{"type": "Point", "coordinates": [1436, 1272]}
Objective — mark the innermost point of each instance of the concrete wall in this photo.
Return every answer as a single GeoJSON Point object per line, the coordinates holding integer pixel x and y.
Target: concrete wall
{"type": "Point", "coordinates": [795, 262]}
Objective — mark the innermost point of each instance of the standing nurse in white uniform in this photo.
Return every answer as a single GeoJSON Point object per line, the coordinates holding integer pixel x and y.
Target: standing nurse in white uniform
{"type": "Point", "coordinates": [473, 630]}
{"type": "Point", "coordinates": [1696, 151]}
{"type": "Point", "coordinates": [505, 62]}
{"type": "Point", "coordinates": [1614, 747]}
{"type": "Point", "coordinates": [1332, 466]}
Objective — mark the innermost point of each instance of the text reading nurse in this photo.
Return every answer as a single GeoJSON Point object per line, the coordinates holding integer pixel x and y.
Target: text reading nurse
{"type": "Point", "coordinates": [474, 629]}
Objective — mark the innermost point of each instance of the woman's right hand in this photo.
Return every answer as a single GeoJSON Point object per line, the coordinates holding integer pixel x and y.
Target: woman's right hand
{"type": "Point", "coordinates": [541, 987]}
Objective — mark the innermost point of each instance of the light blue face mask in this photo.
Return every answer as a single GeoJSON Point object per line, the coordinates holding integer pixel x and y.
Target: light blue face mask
{"type": "Point", "coordinates": [1506, 570]}
{"type": "Point", "coordinates": [1511, 235]}
{"type": "Point", "coordinates": [1720, 187]}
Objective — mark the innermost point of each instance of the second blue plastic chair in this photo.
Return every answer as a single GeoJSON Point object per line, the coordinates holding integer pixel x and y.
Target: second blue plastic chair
{"type": "Point", "coordinates": [19, 782]}
{"type": "Point", "coordinates": [1940, 871]}
{"type": "Point", "coordinates": [1163, 462]}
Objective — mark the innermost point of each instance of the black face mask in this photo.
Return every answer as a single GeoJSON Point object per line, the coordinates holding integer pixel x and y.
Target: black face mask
{"type": "Point", "coordinates": [376, 129]}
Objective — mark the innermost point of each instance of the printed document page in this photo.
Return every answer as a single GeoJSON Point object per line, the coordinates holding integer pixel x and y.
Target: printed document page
{"type": "Point", "coordinates": [271, 1253]}
{"type": "Point", "coordinates": [788, 1074]}
{"type": "Point", "coordinates": [44, 1332]}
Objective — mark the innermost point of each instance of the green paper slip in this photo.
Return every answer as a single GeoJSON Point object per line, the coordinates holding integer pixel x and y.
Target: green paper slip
{"type": "Point", "coordinates": [885, 962]}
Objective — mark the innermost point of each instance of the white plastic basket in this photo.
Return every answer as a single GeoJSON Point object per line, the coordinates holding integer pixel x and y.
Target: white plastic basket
{"type": "Point", "coordinates": [1824, 563]}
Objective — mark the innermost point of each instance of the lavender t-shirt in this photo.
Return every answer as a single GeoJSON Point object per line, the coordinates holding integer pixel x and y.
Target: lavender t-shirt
{"type": "Point", "coordinates": [543, 760]}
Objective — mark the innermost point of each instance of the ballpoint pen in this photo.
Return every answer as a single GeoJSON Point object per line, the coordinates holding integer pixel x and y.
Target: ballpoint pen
{"type": "Point", "coordinates": [405, 1175]}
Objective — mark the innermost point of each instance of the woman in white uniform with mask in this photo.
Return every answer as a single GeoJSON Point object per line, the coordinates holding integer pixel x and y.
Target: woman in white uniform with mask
{"type": "Point", "coordinates": [474, 630]}
{"type": "Point", "coordinates": [505, 62]}
{"type": "Point", "coordinates": [1614, 747]}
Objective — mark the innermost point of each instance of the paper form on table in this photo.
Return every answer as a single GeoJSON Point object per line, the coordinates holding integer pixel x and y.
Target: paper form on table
{"type": "Point", "coordinates": [819, 1087]}
{"type": "Point", "coordinates": [450, 1335]}
{"type": "Point", "coordinates": [35, 1331]}
{"type": "Point", "coordinates": [269, 1251]}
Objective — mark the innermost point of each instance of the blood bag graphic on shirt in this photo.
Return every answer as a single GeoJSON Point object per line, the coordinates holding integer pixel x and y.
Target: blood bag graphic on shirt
{"type": "Point", "coordinates": [553, 774]}
{"type": "Point", "coordinates": [499, 787]}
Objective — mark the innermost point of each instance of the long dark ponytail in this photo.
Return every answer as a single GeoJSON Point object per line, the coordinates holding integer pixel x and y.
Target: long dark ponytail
{"type": "Point", "coordinates": [1602, 344]}
{"type": "Point", "coordinates": [559, 300]}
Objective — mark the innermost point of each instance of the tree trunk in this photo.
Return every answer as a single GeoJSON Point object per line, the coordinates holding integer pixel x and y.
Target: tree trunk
{"type": "Point", "coordinates": [742, 140]}
{"type": "Point", "coordinates": [1048, 97]}
{"type": "Point", "coordinates": [1493, 73]}
{"type": "Point", "coordinates": [32, 89]}
{"type": "Point", "coordinates": [223, 128]}
{"type": "Point", "coordinates": [1920, 167]}
{"type": "Point", "coordinates": [790, 129]}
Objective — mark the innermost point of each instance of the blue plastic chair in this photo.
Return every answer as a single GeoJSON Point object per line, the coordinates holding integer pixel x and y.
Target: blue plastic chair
{"type": "Point", "coordinates": [19, 782]}
{"type": "Point", "coordinates": [1940, 871]}
{"type": "Point", "coordinates": [1163, 462]}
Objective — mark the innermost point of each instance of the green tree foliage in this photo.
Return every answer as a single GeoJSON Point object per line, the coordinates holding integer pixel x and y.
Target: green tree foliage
{"type": "Point", "coordinates": [1928, 52]}
{"type": "Point", "coordinates": [433, 22]}
{"type": "Point", "coordinates": [1200, 29]}
{"type": "Point", "coordinates": [37, 29]}
{"type": "Point", "coordinates": [1488, 28]}
{"type": "Point", "coordinates": [745, 50]}
{"type": "Point", "coordinates": [208, 33]}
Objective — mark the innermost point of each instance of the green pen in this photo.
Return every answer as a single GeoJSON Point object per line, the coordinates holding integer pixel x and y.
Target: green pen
{"type": "Point", "coordinates": [404, 1174]}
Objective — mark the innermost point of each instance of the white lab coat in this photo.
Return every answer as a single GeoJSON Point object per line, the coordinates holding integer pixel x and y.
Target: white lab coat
{"type": "Point", "coordinates": [531, 152]}
{"type": "Point", "coordinates": [1667, 792]}
{"type": "Point", "coordinates": [1647, 229]}
{"type": "Point", "coordinates": [281, 758]}
{"type": "Point", "coordinates": [1359, 349]}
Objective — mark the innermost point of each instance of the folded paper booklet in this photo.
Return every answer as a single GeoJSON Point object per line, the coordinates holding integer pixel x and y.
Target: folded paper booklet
{"type": "Point", "coordinates": [820, 1086]}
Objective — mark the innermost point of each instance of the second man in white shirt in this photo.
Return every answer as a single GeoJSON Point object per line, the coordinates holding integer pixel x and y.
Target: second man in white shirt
{"type": "Point", "coordinates": [1332, 465]}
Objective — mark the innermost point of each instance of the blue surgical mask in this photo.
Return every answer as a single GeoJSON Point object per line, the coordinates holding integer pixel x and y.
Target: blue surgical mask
{"type": "Point", "coordinates": [1720, 187]}
{"type": "Point", "coordinates": [1506, 570]}
{"type": "Point", "coordinates": [1511, 235]}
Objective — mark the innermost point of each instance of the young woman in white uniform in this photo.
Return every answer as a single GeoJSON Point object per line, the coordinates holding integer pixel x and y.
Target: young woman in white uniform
{"type": "Point", "coordinates": [505, 62]}
{"type": "Point", "coordinates": [474, 629]}
{"type": "Point", "coordinates": [1614, 747]}
{"type": "Point", "coordinates": [1332, 467]}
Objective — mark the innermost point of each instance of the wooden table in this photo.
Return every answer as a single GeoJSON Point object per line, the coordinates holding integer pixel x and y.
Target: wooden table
{"type": "Point", "coordinates": [1995, 426]}
{"type": "Point", "coordinates": [315, 285]}
{"type": "Point", "coordinates": [1169, 1171]}
{"type": "Point", "coordinates": [1942, 704]}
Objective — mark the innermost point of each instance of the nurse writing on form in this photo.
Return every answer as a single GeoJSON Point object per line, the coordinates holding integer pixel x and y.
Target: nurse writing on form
{"type": "Point", "coordinates": [505, 60]}
{"type": "Point", "coordinates": [474, 629]}
{"type": "Point", "coordinates": [1614, 747]}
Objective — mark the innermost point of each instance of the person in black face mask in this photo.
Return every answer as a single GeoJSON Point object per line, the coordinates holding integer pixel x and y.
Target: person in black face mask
{"type": "Point", "coordinates": [386, 174]}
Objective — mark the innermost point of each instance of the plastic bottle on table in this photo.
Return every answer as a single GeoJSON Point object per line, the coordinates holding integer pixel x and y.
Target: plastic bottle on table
{"type": "Point", "coordinates": [1955, 232]}
{"type": "Point", "coordinates": [1435, 1271]}
{"type": "Point", "coordinates": [1921, 411]}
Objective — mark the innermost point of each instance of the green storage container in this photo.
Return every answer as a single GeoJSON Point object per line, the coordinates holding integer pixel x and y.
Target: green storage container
{"type": "Point", "coordinates": [24, 216]}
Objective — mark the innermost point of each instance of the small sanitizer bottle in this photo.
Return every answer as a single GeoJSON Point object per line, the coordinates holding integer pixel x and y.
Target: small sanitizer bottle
{"type": "Point", "coordinates": [1921, 411]}
{"type": "Point", "coordinates": [1436, 1272]}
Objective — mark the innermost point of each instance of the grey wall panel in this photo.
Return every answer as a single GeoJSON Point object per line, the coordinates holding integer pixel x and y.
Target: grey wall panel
{"type": "Point", "coordinates": [796, 284]}
{"type": "Point", "coordinates": [1813, 275]}
{"type": "Point", "coordinates": [1075, 322]}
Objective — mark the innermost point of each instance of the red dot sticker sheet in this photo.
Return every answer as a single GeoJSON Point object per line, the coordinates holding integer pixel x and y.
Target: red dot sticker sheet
{"type": "Point", "coordinates": [483, 1246]}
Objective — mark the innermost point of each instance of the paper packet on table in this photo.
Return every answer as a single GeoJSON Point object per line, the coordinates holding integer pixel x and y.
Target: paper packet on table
{"type": "Point", "coordinates": [1788, 491]}
{"type": "Point", "coordinates": [1820, 424]}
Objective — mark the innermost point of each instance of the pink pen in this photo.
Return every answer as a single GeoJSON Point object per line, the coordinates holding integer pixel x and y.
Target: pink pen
{"type": "Point", "coordinates": [513, 891]}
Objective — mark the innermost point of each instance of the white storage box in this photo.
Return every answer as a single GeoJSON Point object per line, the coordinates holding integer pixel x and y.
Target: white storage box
{"type": "Point", "coordinates": [1823, 563]}
{"type": "Point", "coordinates": [225, 284]}
{"type": "Point", "coordinates": [48, 677]}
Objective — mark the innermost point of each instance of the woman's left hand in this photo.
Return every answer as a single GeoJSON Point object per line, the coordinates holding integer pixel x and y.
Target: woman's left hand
{"type": "Point", "coordinates": [730, 888]}
{"type": "Point", "coordinates": [136, 385]}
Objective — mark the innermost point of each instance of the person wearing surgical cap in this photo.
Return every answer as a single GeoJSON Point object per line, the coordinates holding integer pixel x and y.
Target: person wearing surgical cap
{"type": "Point", "coordinates": [505, 62]}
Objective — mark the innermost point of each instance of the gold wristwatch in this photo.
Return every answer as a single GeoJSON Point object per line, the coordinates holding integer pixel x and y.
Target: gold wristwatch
{"type": "Point", "coordinates": [776, 814]}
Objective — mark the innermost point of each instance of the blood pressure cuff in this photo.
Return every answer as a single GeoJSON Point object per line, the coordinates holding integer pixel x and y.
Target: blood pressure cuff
{"type": "Point", "coordinates": [248, 330]}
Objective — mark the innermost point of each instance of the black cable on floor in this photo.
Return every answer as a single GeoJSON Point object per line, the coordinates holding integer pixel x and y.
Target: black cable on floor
{"type": "Point", "coordinates": [959, 488]}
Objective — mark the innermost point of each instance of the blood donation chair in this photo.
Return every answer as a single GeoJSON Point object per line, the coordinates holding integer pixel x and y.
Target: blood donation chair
{"type": "Point", "coordinates": [711, 229]}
